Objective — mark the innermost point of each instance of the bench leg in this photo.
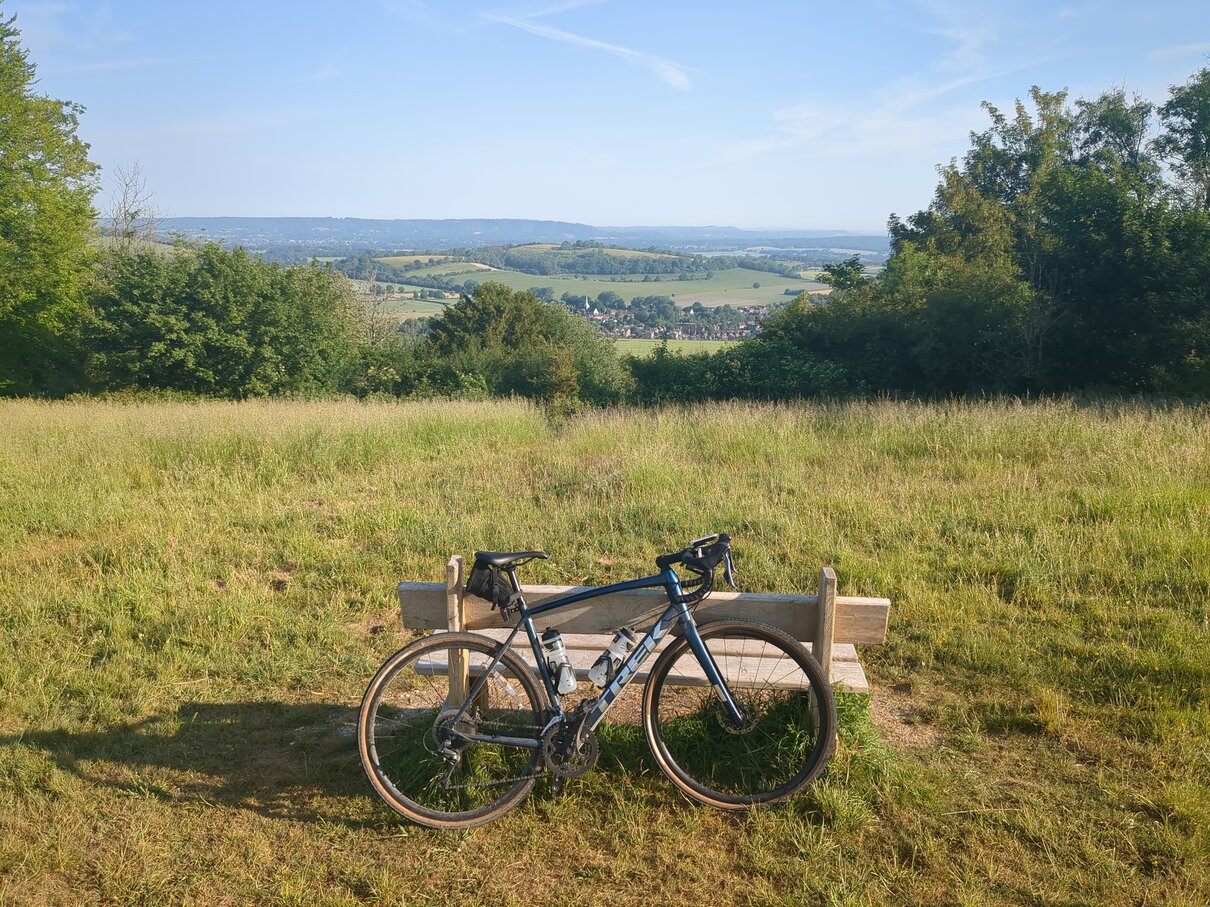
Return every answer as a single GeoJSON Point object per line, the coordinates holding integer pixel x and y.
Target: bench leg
{"type": "Point", "coordinates": [458, 670]}
{"type": "Point", "coordinates": [825, 630]}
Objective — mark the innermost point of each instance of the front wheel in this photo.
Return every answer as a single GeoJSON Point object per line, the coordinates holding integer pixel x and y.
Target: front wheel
{"type": "Point", "coordinates": [411, 738]}
{"type": "Point", "coordinates": [788, 731]}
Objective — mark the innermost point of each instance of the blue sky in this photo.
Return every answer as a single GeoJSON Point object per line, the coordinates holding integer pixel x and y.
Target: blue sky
{"type": "Point", "coordinates": [775, 114]}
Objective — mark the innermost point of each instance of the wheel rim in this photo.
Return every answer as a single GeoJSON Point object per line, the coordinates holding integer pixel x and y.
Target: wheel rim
{"type": "Point", "coordinates": [408, 719]}
{"type": "Point", "coordinates": [782, 742]}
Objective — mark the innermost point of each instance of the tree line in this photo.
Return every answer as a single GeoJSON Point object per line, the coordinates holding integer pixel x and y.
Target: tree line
{"type": "Point", "coordinates": [580, 258]}
{"type": "Point", "coordinates": [1069, 249]}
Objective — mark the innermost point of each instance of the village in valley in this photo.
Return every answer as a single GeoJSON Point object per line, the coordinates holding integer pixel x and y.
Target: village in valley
{"type": "Point", "coordinates": [630, 294]}
{"type": "Point", "coordinates": [695, 322]}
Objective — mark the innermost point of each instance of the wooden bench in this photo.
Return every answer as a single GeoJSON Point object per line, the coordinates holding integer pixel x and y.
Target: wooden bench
{"type": "Point", "coordinates": [831, 624]}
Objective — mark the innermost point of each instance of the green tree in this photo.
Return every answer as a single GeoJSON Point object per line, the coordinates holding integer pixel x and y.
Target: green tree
{"type": "Point", "coordinates": [1186, 140]}
{"type": "Point", "coordinates": [1112, 131]}
{"type": "Point", "coordinates": [46, 187]}
{"type": "Point", "coordinates": [217, 322]}
{"type": "Point", "coordinates": [844, 275]}
{"type": "Point", "coordinates": [608, 299]}
{"type": "Point", "coordinates": [1074, 201]}
{"type": "Point", "coordinates": [1052, 257]}
{"type": "Point", "coordinates": [518, 344]}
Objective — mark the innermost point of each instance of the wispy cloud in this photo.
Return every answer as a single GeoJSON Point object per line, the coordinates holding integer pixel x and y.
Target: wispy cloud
{"type": "Point", "coordinates": [332, 67]}
{"type": "Point", "coordinates": [414, 12]}
{"type": "Point", "coordinates": [1079, 11]}
{"type": "Point", "coordinates": [234, 122]}
{"type": "Point", "coordinates": [834, 131]}
{"type": "Point", "coordinates": [905, 115]}
{"type": "Point", "coordinates": [114, 65]}
{"type": "Point", "coordinates": [669, 72]}
{"type": "Point", "coordinates": [328, 71]}
{"type": "Point", "coordinates": [54, 27]}
{"type": "Point", "coordinates": [565, 7]}
{"type": "Point", "coordinates": [1175, 53]}
{"type": "Point", "coordinates": [970, 34]}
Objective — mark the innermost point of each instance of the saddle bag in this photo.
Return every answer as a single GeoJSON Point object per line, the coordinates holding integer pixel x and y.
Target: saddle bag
{"type": "Point", "coordinates": [490, 584]}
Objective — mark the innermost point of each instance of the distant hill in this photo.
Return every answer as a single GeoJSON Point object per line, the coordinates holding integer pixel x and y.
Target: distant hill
{"type": "Point", "coordinates": [307, 236]}
{"type": "Point", "coordinates": [351, 232]}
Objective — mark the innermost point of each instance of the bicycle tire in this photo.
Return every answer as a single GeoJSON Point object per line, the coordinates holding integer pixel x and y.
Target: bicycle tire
{"type": "Point", "coordinates": [789, 731]}
{"type": "Point", "coordinates": [399, 724]}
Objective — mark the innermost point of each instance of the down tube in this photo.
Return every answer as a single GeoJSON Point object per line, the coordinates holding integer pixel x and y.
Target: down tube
{"type": "Point", "coordinates": [644, 649]}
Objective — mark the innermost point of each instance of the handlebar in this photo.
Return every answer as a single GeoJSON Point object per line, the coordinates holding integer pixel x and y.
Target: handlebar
{"type": "Point", "coordinates": [702, 557]}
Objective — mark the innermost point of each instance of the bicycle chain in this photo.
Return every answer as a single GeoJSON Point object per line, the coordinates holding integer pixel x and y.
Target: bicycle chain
{"type": "Point", "coordinates": [588, 749]}
{"type": "Point", "coordinates": [499, 783]}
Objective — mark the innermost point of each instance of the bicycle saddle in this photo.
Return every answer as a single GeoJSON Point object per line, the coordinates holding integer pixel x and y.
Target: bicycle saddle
{"type": "Point", "coordinates": [504, 558]}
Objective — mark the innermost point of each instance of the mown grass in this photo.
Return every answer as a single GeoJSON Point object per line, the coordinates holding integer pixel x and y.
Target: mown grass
{"type": "Point", "coordinates": [731, 286]}
{"type": "Point", "coordinates": [636, 347]}
{"type": "Point", "coordinates": [193, 598]}
{"type": "Point", "coordinates": [411, 259]}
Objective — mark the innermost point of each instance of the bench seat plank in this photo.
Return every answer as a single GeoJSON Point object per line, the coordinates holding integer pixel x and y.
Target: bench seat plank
{"type": "Point", "coordinates": [595, 642]}
{"type": "Point", "coordinates": [848, 675]}
{"type": "Point", "coordinates": [583, 650]}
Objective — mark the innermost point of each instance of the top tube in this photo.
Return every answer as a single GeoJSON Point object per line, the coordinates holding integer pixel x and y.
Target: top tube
{"type": "Point", "coordinates": [667, 580]}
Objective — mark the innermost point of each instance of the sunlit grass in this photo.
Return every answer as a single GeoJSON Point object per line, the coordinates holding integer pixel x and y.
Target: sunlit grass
{"type": "Point", "coordinates": [194, 596]}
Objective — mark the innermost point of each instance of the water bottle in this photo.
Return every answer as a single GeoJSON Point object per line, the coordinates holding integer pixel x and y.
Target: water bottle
{"type": "Point", "coordinates": [605, 667]}
{"type": "Point", "coordinates": [557, 661]}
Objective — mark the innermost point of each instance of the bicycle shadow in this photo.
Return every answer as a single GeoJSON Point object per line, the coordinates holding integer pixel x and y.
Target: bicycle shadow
{"type": "Point", "coordinates": [281, 760]}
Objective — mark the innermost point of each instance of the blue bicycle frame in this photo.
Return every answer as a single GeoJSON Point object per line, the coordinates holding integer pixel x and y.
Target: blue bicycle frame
{"type": "Point", "coordinates": [677, 610]}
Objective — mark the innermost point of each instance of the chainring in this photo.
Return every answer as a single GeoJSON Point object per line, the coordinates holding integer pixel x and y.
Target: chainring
{"type": "Point", "coordinates": [564, 757]}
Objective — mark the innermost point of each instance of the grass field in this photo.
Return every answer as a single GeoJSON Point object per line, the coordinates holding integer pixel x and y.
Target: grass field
{"type": "Point", "coordinates": [416, 308]}
{"type": "Point", "coordinates": [411, 259]}
{"type": "Point", "coordinates": [732, 285]}
{"type": "Point", "coordinates": [612, 250]}
{"type": "Point", "coordinates": [404, 308]}
{"type": "Point", "coordinates": [635, 347]}
{"type": "Point", "coordinates": [193, 598]}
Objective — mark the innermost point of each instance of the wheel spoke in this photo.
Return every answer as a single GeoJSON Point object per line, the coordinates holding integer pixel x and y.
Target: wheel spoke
{"type": "Point", "coordinates": [782, 744]}
{"type": "Point", "coordinates": [407, 733]}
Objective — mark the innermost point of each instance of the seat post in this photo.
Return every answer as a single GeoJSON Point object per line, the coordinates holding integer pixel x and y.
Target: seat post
{"type": "Point", "coordinates": [516, 583]}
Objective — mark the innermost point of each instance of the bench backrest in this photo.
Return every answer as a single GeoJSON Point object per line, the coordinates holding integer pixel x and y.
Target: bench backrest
{"type": "Point", "coordinates": [824, 619]}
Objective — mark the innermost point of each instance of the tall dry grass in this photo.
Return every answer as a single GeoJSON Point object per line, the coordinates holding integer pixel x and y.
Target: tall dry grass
{"type": "Point", "coordinates": [193, 597]}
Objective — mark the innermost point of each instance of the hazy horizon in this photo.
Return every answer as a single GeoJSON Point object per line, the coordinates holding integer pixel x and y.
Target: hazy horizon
{"type": "Point", "coordinates": [789, 231]}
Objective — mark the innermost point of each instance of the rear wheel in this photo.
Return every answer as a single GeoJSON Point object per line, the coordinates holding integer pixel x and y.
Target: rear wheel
{"type": "Point", "coordinates": [408, 728]}
{"type": "Point", "coordinates": [788, 731]}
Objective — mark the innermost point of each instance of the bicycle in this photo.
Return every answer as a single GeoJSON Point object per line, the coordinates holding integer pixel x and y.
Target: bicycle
{"type": "Point", "coordinates": [455, 729]}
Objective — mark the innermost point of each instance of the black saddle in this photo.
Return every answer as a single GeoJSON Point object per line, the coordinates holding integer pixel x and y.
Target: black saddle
{"type": "Point", "coordinates": [502, 559]}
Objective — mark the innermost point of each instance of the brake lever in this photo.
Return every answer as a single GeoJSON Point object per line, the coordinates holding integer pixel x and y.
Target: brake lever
{"type": "Point", "coordinates": [729, 570]}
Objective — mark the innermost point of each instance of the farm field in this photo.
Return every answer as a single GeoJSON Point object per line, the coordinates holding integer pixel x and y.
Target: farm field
{"type": "Point", "coordinates": [404, 308]}
{"type": "Point", "coordinates": [194, 596]}
{"type": "Point", "coordinates": [730, 286]}
{"type": "Point", "coordinates": [398, 260]}
{"type": "Point", "coordinates": [416, 308]}
{"type": "Point", "coordinates": [636, 347]}
{"type": "Point", "coordinates": [612, 250]}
